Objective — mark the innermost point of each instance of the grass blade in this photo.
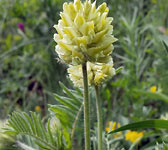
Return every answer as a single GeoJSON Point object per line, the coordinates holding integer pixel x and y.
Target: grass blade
{"type": "Point", "coordinates": [155, 123]}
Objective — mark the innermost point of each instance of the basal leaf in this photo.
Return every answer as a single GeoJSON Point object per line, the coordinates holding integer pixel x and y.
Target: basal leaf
{"type": "Point", "coordinates": [23, 124]}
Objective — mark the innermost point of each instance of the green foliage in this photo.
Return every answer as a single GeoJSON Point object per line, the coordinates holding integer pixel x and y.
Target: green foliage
{"type": "Point", "coordinates": [22, 124]}
{"type": "Point", "coordinates": [153, 95]}
{"type": "Point", "coordinates": [165, 46]}
{"type": "Point", "coordinates": [7, 142]}
{"type": "Point", "coordinates": [165, 42]}
{"type": "Point", "coordinates": [161, 147]}
{"type": "Point", "coordinates": [141, 53]}
{"type": "Point", "coordinates": [27, 64]}
{"type": "Point", "coordinates": [157, 124]}
{"type": "Point", "coordinates": [56, 136]}
{"type": "Point", "coordinates": [70, 108]}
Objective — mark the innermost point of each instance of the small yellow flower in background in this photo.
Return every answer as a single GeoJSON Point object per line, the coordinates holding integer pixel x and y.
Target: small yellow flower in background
{"type": "Point", "coordinates": [133, 136]}
{"type": "Point", "coordinates": [97, 73]}
{"type": "Point", "coordinates": [153, 89]}
{"type": "Point", "coordinates": [37, 108]}
{"type": "Point", "coordinates": [112, 126]}
{"type": "Point", "coordinates": [84, 33]}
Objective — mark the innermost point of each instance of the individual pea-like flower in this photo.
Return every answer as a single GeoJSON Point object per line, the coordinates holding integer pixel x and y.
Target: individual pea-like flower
{"type": "Point", "coordinates": [84, 33]}
{"type": "Point", "coordinates": [97, 73]}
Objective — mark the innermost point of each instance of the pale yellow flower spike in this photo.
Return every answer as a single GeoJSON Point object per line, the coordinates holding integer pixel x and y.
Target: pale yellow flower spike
{"type": "Point", "coordinates": [97, 73]}
{"type": "Point", "coordinates": [84, 33]}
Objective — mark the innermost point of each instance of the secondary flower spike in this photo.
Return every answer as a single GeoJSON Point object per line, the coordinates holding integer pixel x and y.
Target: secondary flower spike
{"type": "Point", "coordinates": [84, 33]}
{"type": "Point", "coordinates": [97, 73]}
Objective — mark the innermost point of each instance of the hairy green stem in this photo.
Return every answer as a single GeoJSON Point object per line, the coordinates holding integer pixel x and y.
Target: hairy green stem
{"type": "Point", "coordinates": [86, 107]}
{"type": "Point", "coordinates": [99, 119]}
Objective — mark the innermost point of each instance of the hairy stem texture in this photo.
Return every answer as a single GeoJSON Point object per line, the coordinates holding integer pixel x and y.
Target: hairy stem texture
{"type": "Point", "coordinates": [99, 118]}
{"type": "Point", "coordinates": [86, 107]}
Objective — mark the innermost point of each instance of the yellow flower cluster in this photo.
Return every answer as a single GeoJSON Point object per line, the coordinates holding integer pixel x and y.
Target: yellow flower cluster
{"type": "Point", "coordinates": [112, 126]}
{"type": "Point", "coordinates": [97, 73]}
{"type": "Point", "coordinates": [84, 33]}
{"type": "Point", "coordinates": [133, 136]}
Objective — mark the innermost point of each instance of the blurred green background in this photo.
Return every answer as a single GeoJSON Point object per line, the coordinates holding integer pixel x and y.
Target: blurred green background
{"type": "Point", "coordinates": [30, 71]}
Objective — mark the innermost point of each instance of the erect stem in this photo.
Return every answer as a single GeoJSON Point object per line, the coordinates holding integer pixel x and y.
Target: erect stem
{"type": "Point", "coordinates": [86, 107]}
{"type": "Point", "coordinates": [99, 119]}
